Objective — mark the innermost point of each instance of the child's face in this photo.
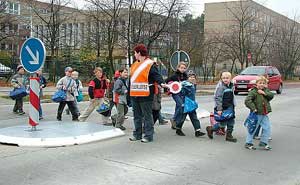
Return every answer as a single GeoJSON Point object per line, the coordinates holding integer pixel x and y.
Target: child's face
{"type": "Point", "coordinates": [98, 74]}
{"type": "Point", "coordinates": [74, 76]}
{"type": "Point", "coordinates": [124, 74]}
{"type": "Point", "coordinates": [182, 68]}
{"type": "Point", "coordinates": [226, 79]}
{"type": "Point", "coordinates": [261, 84]}
{"type": "Point", "coordinates": [192, 79]}
{"type": "Point", "coordinates": [21, 71]}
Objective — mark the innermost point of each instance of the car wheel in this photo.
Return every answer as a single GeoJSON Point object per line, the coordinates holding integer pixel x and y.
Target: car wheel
{"type": "Point", "coordinates": [279, 91]}
{"type": "Point", "coordinates": [236, 93]}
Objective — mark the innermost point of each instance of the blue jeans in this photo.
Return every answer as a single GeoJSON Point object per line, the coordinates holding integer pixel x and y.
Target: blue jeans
{"type": "Point", "coordinates": [194, 119]}
{"type": "Point", "coordinates": [142, 113]}
{"type": "Point", "coordinates": [178, 108]}
{"type": "Point", "coordinates": [223, 124]}
{"type": "Point", "coordinates": [264, 122]}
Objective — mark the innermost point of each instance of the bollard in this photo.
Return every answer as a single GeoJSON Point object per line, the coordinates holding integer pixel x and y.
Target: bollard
{"type": "Point", "coordinates": [34, 97]}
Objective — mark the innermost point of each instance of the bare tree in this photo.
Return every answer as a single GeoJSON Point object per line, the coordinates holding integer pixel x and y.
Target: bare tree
{"type": "Point", "coordinates": [105, 15]}
{"type": "Point", "coordinates": [7, 22]}
{"type": "Point", "coordinates": [247, 35]}
{"type": "Point", "coordinates": [286, 47]}
{"type": "Point", "coordinates": [51, 16]}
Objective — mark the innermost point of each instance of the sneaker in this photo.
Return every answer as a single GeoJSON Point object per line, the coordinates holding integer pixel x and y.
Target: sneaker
{"type": "Point", "coordinates": [163, 122]}
{"type": "Point", "coordinates": [179, 132]}
{"type": "Point", "coordinates": [256, 137]}
{"type": "Point", "coordinates": [75, 119]}
{"type": "Point", "coordinates": [133, 139]}
{"type": "Point", "coordinates": [198, 133]}
{"type": "Point", "coordinates": [264, 146]}
{"type": "Point", "coordinates": [58, 118]}
{"type": "Point", "coordinates": [209, 131]}
{"type": "Point", "coordinates": [173, 124]}
{"type": "Point", "coordinates": [40, 118]}
{"type": "Point", "coordinates": [21, 113]}
{"type": "Point", "coordinates": [145, 140]}
{"type": "Point", "coordinates": [250, 146]}
{"type": "Point", "coordinates": [125, 117]}
{"type": "Point", "coordinates": [121, 127]}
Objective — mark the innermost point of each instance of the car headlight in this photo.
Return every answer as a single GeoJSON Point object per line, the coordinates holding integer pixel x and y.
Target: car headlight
{"type": "Point", "coordinates": [253, 82]}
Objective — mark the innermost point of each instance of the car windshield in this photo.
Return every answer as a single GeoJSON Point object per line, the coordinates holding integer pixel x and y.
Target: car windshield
{"type": "Point", "coordinates": [253, 71]}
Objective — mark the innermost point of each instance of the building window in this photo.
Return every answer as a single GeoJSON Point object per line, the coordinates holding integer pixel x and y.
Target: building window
{"type": "Point", "coordinates": [13, 8]}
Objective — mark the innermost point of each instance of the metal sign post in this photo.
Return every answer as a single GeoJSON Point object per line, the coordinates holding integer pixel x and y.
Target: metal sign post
{"type": "Point", "coordinates": [32, 57]}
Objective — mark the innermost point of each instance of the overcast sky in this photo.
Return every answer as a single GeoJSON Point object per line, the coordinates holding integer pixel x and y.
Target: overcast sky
{"type": "Point", "coordinates": [285, 7]}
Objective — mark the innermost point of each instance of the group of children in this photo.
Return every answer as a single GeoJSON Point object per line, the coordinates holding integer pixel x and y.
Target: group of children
{"type": "Point", "coordinates": [258, 101]}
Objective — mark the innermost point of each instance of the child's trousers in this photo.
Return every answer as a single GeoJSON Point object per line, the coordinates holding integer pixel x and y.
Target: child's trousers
{"type": "Point", "coordinates": [264, 122]}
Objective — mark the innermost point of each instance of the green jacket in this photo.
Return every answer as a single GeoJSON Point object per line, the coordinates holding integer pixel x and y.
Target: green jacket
{"type": "Point", "coordinates": [257, 101]}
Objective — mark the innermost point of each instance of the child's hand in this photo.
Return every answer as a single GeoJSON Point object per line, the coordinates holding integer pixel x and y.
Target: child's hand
{"type": "Point", "coordinates": [220, 112]}
{"type": "Point", "coordinates": [261, 92]}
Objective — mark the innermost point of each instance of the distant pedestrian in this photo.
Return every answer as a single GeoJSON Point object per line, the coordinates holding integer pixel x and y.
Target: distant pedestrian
{"type": "Point", "coordinates": [179, 76]}
{"type": "Point", "coordinates": [77, 92]}
{"type": "Point", "coordinates": [67, 84]}
{"type": "Point", "coordinates": [43, 84]}
{"type": "Point", "coordinates": [120, 92]}
{"type": "Point", "coordinates": [19, 80]}
{"type": "Point", "coordinates": [96, 90]}
{"type": "Point", "coordinates": [258, 101]}
{"type": "Point", "coordinates": [224, 102]}
{"type": "Point", "coordinates": [188, 94]}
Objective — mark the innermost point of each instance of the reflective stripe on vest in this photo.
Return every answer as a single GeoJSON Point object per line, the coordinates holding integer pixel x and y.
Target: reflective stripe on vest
{"type": "Point", "coordinates": [139, 85]}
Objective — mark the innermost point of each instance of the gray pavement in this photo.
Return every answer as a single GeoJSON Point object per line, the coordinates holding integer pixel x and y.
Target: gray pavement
{"type": "Point", "coordinates": [170, 159]}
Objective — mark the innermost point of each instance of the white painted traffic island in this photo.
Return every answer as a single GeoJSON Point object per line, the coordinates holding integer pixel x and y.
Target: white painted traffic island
{"type": "Point", "coordinates": [58, 133]}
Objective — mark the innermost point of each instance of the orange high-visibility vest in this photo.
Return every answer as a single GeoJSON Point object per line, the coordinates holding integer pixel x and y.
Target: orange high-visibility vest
{"type": "Point", "coordinates": [139, 72]}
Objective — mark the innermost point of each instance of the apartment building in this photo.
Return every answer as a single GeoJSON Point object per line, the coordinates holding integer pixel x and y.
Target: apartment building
{"type": "Point", "coordinates": [226, 19]}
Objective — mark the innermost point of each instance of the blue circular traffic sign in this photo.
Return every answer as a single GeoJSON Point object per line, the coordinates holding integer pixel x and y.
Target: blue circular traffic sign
{"type": "Point", "coordinates": [33, 54]}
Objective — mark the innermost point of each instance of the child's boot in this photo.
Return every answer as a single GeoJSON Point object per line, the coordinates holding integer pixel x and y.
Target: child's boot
{"type": "Point", "coordinates": [209, 131]}
{"type": "Point", "coordinates": [230, 138]}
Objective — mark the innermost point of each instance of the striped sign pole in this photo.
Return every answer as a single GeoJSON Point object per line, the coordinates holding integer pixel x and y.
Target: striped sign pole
{"type": "Point", "coordinates": [34, 97]}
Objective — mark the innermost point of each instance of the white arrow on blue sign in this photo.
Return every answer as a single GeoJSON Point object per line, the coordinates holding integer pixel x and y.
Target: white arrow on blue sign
{"type": "Point", "coordinates": [33, 54]}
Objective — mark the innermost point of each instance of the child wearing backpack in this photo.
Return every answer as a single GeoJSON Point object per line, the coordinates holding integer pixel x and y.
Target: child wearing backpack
{"type": "Point", "coordinates": [258, 101]}
{"type": "Point", "coordinates": [188, 91]}
{"type": "Point", "coordinates": [120, 92]}
{"type": "Point", "coordinates": [77, 93]}
{"type": "Point", "coordinates": [224, 102]}
{"type": "Point", "coordinates": [179, 76]}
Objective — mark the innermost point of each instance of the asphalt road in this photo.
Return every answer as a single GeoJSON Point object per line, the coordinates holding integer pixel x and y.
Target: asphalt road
{"type": "Point", "coordinates": [170, 159]}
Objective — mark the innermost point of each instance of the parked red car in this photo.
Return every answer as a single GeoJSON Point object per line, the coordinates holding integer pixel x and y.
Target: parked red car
{"type": "Point", "coordinates": [247, 78]}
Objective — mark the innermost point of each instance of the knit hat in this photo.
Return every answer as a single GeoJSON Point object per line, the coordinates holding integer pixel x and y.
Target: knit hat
{"type": "Point", "coordinates": [19, 67]}
{"type": "Point", "coordinates": [68, 69]}
{"type": "Point", "coordinates": [191, 73]}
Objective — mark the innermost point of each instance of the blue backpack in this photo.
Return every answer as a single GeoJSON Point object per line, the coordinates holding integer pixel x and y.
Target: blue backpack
{"type": "Point", "coordinates": [189, 105]}
{"type": "Point", "coordinates": [60, 95]}
{"type": "Point", "coordinates": [251, 122]}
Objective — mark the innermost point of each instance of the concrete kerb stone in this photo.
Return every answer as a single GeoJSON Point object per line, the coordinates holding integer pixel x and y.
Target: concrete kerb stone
{"type": "Point", "coordinates": [57, 134]}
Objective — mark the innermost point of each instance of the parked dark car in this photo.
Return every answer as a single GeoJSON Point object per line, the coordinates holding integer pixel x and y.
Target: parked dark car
{"type": "Point", "coordinates": [247, 78]}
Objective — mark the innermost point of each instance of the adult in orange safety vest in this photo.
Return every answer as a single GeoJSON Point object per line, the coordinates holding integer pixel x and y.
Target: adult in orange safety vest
{"type": "Point", "coordinates": [143, 76]}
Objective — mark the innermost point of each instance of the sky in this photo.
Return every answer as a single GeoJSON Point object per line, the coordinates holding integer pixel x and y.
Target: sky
{"type": "Point", "coordinates": [285, 7]}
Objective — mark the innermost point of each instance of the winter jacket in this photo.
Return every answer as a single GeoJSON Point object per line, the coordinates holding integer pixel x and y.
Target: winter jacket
{"type": "Point", "coordinates": [64, 83]}
{"type": "Point", "coordinates": [177, 77]}
{"type": "Point", "coordinates": [19, 80]}
{"type": "Point", "coordinates": [224, 96]}
{"type": "Point", "coordinates": [260, 102]}
{"type": "Point", "coordinates": [97, 88]}
{"type": "Point", "coordinates": [120, 91]}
